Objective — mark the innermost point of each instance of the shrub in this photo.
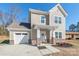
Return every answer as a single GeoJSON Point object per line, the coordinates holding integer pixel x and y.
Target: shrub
{"type": "Point", "coordinates": [64, 45]}
{"type": "Point", "coordinates": [5, 42]}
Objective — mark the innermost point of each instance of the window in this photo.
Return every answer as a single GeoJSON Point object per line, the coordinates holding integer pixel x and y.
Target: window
{"type": "Point", "coordinates": [42, 34]}
{"type": "Point", "coordinates": [18, 33]}
{"type": "Point", "coordinates": [43, 19]}
{"type": "Point", "coordinates": [56, 34]}
{"type": "Point", "coordinates": [60, 20]}
{"type": "Point", "coordinates": [60, 34]}
{"type": "Point", "coordinates": [57, 19]}
{"type": "Point", "coordinates": [24, 33]}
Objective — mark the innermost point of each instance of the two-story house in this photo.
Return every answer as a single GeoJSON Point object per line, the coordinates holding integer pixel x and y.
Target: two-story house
{"type": "Point", "coordinates": [44, 27]}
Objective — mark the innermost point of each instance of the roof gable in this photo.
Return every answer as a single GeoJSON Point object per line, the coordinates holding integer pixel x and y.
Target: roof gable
{"type": "Point", "coordinates": [19, 26]}
{"type": "Point", "coordinates": [64, 13]}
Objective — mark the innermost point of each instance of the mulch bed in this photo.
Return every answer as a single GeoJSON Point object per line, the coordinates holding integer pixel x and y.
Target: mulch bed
{"type": "Point", "coordinates": [41, 47]}
{"type": "Point", "coordinates": [64, 45]}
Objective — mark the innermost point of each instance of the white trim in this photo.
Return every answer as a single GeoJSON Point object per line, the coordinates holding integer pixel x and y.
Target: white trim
{"type": "Point", "coordinates": [38, 11]}
{"type": "Point", "coordinates": [51, 34]}
{"type": "Point", "coordinates": [18, 29]}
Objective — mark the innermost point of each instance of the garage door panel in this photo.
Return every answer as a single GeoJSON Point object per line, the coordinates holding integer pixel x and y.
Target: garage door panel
{"type": "Point", "coordinates": [21, 38]}
{"type": "Point", "coordinates": [24, 39]}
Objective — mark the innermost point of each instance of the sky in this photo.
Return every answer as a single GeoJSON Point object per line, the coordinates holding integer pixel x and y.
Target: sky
{"type": "Point", "coordinates": [71, 8]}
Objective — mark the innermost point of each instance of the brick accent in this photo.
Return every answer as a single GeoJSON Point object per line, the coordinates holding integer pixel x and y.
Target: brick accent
{"type": "Point", "coordinates": [11, 41]}
{"type": "Point", "coordinates": [52, 41]}
{"type": "Point", "coordinates": [34, 42]}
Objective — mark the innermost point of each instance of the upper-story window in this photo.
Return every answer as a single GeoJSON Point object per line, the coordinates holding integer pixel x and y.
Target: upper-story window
{"type": "Point", "coordinates": [43, 19]}
{"type": "Point", "coordinates": [57, 19]}
{"type": "Point", "coordinates": [60, 20]}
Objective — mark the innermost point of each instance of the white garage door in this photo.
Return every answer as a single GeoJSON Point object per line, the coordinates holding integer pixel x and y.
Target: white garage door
{"type": "Point", "coordinates": [21, 38]}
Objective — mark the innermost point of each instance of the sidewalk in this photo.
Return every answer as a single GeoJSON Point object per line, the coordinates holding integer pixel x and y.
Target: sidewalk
{"type": "Point", "coordinates": [49, 49]}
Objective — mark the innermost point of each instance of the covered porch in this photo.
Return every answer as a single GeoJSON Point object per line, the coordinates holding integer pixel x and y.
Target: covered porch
{"type": "Point", "coordinates": [43, 34]}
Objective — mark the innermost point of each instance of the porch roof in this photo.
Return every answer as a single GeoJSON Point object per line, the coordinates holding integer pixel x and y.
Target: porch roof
{"type": "Point", "coordinates": [48, 27]}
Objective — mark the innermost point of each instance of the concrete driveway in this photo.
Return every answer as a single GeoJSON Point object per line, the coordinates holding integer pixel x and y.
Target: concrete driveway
{"type": "Point", "coordinates": [19, 50]}
{"type": "Point", "coordinates": [26, 50]}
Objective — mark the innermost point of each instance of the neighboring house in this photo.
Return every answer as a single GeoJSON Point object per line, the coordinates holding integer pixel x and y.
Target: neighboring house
{"type": "Point", "coordinates": [72, 35]}
{"type": "Point", "coordinates": [45, 27]}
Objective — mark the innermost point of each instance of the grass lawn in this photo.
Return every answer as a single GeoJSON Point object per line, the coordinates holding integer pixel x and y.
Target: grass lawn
{"type": "Point", "coordinates": [1, 41]}
{"type": "Point", "coordinates": [73, 42]}
{"type": "Point", "coordinates": [69, 51]}
{"type": "Point", "coordinates": [4, 39]}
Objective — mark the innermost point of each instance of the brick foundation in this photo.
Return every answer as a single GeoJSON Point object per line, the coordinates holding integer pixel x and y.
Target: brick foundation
{"type": "Point", "coordinates": [11, 42]}
{"type": "Point", "coordinates": [34, 42]}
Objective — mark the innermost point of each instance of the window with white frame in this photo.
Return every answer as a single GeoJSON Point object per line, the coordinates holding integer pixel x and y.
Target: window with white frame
{"type": "Point", "coordinates": [58, 35]}
{"type": "Point", "coordinates": [43, 19]}
{"type": "Point", "coordinates": [58, 19]}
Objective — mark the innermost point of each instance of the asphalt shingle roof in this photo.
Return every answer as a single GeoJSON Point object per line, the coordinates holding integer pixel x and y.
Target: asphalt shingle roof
{"type": "Point", "coordinates": [17, 25]}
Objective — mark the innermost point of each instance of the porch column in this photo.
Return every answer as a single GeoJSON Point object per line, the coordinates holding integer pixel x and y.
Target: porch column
{"type": "Point", "coordinates": [38, 33]}
{"type": "Point", "coordinates": [51, 36]}
{"type": "Point", "coordinates": [38, 36]}
{"type": "Point", "coordinates": [52, 39]}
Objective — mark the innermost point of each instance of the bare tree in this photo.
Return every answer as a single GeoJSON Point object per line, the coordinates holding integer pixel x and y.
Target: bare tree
{"type": "Point", "coordinates": [14, 12]}
{"type": "Point", "coordinates": [7, 18]}
{"type": "Point", "coordinates": [1, 19]}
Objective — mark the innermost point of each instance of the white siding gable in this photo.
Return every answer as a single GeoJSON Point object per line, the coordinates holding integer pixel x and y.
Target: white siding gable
{"type": "Point", "coordinates": [60, 27]}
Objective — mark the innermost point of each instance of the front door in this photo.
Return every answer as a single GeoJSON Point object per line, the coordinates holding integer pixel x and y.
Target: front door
{"type": "Point", "coordinates": [43, 37]}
